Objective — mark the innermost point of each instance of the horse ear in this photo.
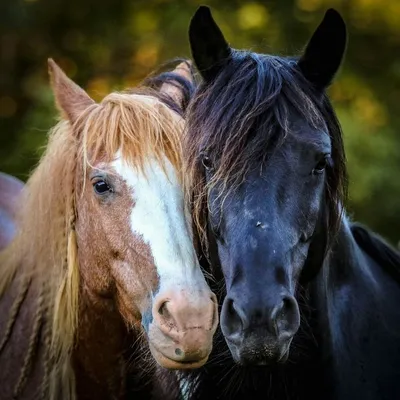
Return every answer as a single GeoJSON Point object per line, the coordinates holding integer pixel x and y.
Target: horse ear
{"type": "Point", "coordinates": [324, 52]}
{"type": "Point", "coordinates": [208, 45]}
{"type": "Point", "coordinates": [183, 70]}
{"type": "Point", "coordinates": [71, 99]}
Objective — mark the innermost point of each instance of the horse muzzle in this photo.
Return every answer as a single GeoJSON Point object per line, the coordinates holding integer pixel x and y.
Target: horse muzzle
{"type": "Point", "coordinates": [260, 334]}
{"type": "Point", "coordinates": [182, 330]}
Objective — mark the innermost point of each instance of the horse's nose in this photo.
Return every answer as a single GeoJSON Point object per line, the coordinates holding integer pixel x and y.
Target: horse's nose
{"type": "Point", "coordinates": [190, 319]}
{"type": "Point", "coordinates": [282, 319]}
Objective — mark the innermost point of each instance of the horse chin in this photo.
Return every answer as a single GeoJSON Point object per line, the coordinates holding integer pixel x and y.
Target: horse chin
{"type": "Point", "coordinates": [186, 350]}
{"type": "Point", "coordinates": [255, 352]}
{"type": "Point", "coordinates": [173, 364]}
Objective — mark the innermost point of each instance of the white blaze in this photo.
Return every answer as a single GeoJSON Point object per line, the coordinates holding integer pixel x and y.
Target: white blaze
{"type": "Point", "coordinates": [159, 217]}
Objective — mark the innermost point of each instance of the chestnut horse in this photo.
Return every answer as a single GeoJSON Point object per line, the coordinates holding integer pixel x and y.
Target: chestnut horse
{"type": "Point", "coordinates": [10, 189]}
{"type": "Point", "coordinates": [102, 271]}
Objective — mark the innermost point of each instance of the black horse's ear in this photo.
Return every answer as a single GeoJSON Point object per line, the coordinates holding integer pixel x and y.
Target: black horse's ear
{"type": "Point", "coordinates": [324, 52]}
{"type": "Point", "coordinates": [208, 45]}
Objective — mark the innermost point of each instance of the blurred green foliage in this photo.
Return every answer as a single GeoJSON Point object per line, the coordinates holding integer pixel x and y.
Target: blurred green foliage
{"type": "Point", "coordinates": [106, 45]}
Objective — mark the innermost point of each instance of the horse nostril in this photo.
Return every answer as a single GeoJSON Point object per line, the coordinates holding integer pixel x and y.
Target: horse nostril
{"type": "Point", "coordinates": [163, 310]}
{"type": "Point", "coordinates": [232, 319]}
{"type": "Point", "coordinates": [231, 309]}
{"type": "Point", "coordinates": [287, 305]}
{"type": "Point", "coordinates": [286, 317]}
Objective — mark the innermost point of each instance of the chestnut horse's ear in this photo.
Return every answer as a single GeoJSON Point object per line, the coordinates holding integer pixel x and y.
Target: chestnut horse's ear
{"type": "Point", "coordinates": [324, 52]}
{"type": "Point", "coordinates": [209, 48]}
{"type": "Point", "coordinates": [70, 99]}
{"type": "Point", "coordinates": [173, 91]}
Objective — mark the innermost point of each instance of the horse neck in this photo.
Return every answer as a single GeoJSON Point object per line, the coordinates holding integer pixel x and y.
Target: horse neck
{"type": "Point", "coordinates": [346, 261]}
{"type": "Point", "coordinates": [106, 355]}
{"type": "Point", "coordinates": [348, 281]}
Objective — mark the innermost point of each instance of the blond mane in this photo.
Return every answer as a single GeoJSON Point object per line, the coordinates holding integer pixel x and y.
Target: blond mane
{"type": "Point", "coordinates": [44, 251]}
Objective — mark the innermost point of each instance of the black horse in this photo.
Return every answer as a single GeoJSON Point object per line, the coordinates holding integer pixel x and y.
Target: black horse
{"type": "Point", "coordinates": [310, 301]}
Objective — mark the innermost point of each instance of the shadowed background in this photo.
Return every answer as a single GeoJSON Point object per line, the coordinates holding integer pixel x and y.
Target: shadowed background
{"type": "Point", "coordinates": [106, 45]}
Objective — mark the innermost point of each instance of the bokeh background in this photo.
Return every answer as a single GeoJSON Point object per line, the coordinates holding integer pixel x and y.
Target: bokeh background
{"type": "Point", "coordinates": [106, 45]}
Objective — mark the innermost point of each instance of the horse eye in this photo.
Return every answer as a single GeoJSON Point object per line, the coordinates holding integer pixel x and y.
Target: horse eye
{"type": "Point", "coordinates": [320, 167]}
{"type": "Point", "coordinates": [101, 187]}
{"type": "Point", "coordinates": [206, 161]}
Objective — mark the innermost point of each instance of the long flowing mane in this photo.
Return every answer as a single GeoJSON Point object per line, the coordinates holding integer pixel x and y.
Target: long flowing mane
{"type": "Point", "coordinates": [141, 123]}
{"type": "Point", "coordinates": [256, 96]}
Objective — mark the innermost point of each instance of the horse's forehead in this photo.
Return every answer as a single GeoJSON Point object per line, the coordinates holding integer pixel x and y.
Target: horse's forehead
{"type": "Point", "coordinates": [155, 174]}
